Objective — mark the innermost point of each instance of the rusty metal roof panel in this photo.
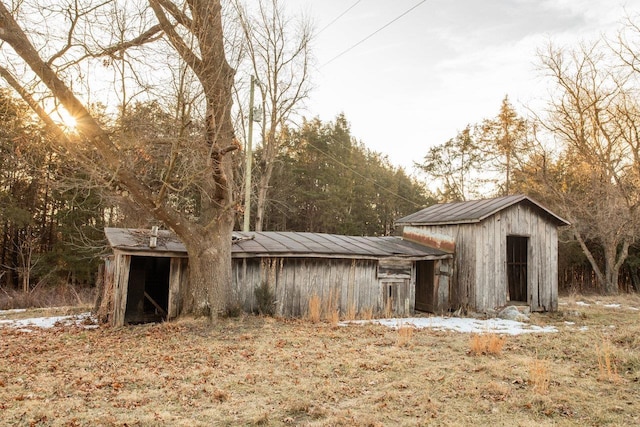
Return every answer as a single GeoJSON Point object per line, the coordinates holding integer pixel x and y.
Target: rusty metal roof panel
{"type": "Point", "coordinates": [473, 211]}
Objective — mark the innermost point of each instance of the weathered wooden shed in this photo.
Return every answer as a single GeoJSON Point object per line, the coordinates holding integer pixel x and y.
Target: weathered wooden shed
{"type": "Point", "coordinates": [144, 282]}
{"type": "Point", "coordinates": [505, 251]}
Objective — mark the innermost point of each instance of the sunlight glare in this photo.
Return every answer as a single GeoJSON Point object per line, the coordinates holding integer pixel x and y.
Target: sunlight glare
{"type": "Point", "coordinates": [66, 120]}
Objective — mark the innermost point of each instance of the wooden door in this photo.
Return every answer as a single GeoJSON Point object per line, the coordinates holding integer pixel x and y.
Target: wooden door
{"type": "Point", "coordinates": [425, 289]}
{"type": "Point", "coordinates": [517, 257]}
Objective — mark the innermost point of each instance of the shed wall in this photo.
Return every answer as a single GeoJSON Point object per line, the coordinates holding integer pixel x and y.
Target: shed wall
{"type": "Point", "coordinates": [344, 284]}
{"type": "Point", "coordinates": [480, 259]}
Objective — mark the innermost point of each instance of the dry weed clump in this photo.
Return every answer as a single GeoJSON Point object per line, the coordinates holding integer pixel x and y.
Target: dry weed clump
{"type": "Point", "coordinates": [366, 313]}
{"type": "Point", "coordinates": [351, 312]}
{"type": "Point", "coordinates": [486, 344]}
{"type": "Point", "coordinates": [388, 308]}
{"type": "Point", "coordinates": [334, 317]}
{"type": "Point", "coordinates": [314, 309]}
{"type": "Point", "coordinates": [606, 363]}
{"type": "Point", "coordinates": [539, 376]}
{"type": "Point", "coordinates": [331, 305]}
{"type": "Point", "coordinates": [405, 335]}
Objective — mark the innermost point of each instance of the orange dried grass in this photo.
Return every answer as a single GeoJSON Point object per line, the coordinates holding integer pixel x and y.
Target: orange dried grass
{"type": "Point", "coordinates": [486, 344]}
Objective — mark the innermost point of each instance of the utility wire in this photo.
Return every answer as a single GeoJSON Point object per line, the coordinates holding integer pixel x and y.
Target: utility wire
{"type": "Point", "coordinates": [339, 16]}
{"type": "Point", "coordinates": [372, 34]}
{"type": "Point", "coordinates": [373, 181]}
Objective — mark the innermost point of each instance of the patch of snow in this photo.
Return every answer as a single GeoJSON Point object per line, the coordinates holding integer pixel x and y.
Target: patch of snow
{"type": "Point", "coordinates": [582, 303]}
{"type": "Point", "coordinates": [459, 324]}
{"type": "Point", "coordinates": [569, 323]}
{"type": "Point", "coordinates": [583, 328]}
{"type": "Point", "coordinates": [633, 308]}
{"type": "Point", "coordinates": [49, 322]}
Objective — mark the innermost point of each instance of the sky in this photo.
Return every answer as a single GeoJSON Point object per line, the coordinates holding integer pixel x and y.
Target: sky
{"type": "Point", "coordinates": [446, 63]}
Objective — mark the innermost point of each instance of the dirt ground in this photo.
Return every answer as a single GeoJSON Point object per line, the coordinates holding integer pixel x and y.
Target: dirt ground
{"type": "Point", "coordinates": [262, 371]}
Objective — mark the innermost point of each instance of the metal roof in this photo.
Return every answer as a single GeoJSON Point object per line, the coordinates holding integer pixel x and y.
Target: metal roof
{"type": "Point", "coordinates": [473, 211]}
{"type": "Point", "coordinates": [284, 244]}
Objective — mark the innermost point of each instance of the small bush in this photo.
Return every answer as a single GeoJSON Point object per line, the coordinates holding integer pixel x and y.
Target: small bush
{"type": "Point", "coordinates": [234, 310]}
{"type": "Point", "coordinates": [265, 299]}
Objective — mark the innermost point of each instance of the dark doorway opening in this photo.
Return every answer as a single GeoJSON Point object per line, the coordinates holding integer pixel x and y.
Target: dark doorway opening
{"type": "Point", "coordinates": [517, 255]}
{"type": "Point", "coordinates": [148, 293]}
{"type": "Point", "coordinates": [425, 289]}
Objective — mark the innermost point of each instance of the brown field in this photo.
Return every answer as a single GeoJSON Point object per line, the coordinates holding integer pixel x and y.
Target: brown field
{"type": "Point", "coordinates": [263, 371]}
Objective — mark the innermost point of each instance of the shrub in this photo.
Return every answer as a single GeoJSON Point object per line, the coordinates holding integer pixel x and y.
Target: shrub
{"type": "Point", "coordinates": [265, 299]}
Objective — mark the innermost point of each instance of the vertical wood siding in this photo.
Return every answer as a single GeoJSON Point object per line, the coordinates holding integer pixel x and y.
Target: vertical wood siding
{"type": "Point", "coordinates": [480, 261]}
{"type": "Point", "coordinates": [294, 281]}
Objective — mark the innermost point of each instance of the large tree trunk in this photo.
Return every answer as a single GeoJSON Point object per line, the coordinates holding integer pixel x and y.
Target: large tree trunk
{"type": "Point", "coordinates": [613, 263]}
{"type": "Point", "coordinates": [209, 270]}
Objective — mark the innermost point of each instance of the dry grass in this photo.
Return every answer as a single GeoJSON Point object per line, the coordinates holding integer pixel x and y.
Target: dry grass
{"type": "Point", "coordinates": [405, 335]}
{"type": "Point", "coordinates": [486, 344]}
{"type": "Point", "coordinates": [351, 313]}
{"type": "Point", "coordinates": [606, 362]}
{"type": "Point", "coordinates": [366, 313]}
{"type": "Point", "coordinates": [539, 376]}
{"type": "Point", "coordinates": [314, 309]}
{"type": "Point", "coordinates": [41, 297]}
{"type": "Point", "coordinates": [331, 306]}
{"type": "Point", "coordinates": [388, 308]}
{"type": "Point", "coordinates": [255, 370]}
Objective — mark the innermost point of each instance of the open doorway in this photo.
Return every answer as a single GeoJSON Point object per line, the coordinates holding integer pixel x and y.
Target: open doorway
{"type": "Point", "coordinates": [425, 291]}
{"type": "Point", "coordinates": [517, 256]}
{"type": "Point", "coordinates": [148, 293]}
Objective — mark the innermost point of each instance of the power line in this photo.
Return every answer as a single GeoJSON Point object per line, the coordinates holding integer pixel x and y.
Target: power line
{"type": "Point", "coordinates": [372, 34]}
{"type": "Point", "coordinates": [339, 16]}
{"type": "Point", "coordinates": [330, 157]}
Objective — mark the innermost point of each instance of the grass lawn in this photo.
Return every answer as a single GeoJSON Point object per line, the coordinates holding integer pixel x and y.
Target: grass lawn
{"type": "Point", "coordinates": [264, 371]}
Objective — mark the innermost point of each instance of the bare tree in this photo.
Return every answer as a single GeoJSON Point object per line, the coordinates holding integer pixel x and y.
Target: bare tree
{"type": "Point", "coordinates": [590, 114]}
{"type": "Point", "coordinates": [199, 207]}
{"type": "Point", "coordinates": [278, 50]}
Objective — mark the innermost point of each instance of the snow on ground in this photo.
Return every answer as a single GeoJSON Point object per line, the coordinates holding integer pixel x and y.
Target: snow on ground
{"type": "Point", "coordinates": [461, 324]}
{"type": "Point", "coordinates": [84, 320]}
{"type": "Point", "coordinates": [457, 324]}
{"type": "Point", "coordinates": [600, 303]}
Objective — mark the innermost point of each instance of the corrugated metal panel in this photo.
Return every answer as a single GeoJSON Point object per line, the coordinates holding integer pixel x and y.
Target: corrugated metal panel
{"type": "Point", "coordinates": [281, 244]}
{"type": "Point", "coordinates": [472, 211]}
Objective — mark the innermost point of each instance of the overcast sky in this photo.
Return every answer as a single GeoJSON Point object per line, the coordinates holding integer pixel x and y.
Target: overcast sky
{"type": "Point", "coordinates": [443, 65]}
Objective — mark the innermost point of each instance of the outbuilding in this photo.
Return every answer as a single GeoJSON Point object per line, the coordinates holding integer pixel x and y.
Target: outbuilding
{"type": "Point", "coordinates": [505, 251]}
{"type": "Point", "coordinates": [147, 273]}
